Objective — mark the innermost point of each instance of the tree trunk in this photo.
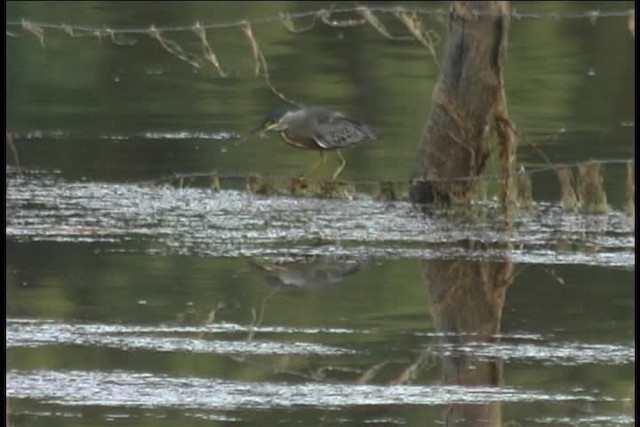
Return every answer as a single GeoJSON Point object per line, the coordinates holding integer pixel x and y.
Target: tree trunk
{"type": "Point", "coordinates": [468, 104]}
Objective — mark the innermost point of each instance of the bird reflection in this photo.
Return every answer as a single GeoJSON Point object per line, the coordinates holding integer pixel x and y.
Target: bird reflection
{"type": "Point", "coordinates": [313, 271]}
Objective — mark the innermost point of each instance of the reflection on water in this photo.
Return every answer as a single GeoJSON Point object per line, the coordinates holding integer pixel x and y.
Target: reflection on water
{"type": "Point", "coordinates": [136, 305]}
{"type": "Point", "coordinates": [472, 390]}
{"type": "Point", "coordinates": [200, 332]}
{"type": "Point", "coordinates": [312, 271]}
{"type": "Point", "coordinates": [467, 300]}
{"type": "Point", "coordinates": [355, 346]}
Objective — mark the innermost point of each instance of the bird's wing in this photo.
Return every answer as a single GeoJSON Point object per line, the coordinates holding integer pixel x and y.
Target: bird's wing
{"type": "Point", "coordinates": [341, 132]}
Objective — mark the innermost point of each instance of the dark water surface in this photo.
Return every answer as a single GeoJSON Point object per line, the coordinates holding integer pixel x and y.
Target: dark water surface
{"type": "Point", "coordinates": [136, 304]}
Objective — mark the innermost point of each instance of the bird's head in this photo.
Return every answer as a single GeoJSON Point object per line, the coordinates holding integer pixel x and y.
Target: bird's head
{"type": "Point", "coordinates": [273, 121]}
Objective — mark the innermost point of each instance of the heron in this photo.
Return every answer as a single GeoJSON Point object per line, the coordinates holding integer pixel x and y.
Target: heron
{"type": "Point", "coordinates": [319, 129]}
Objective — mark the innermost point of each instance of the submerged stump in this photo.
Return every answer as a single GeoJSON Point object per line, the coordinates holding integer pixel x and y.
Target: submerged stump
{"type": "Point", "coordinates": [469, 106]}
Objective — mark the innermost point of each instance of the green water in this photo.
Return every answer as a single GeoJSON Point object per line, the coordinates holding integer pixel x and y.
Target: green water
{"type": "Point", "coordinates": [138, 305]}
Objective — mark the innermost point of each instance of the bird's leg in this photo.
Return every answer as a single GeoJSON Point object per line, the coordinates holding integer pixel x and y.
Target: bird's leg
{"type": "Point", "coordinates": [343, 163]}
{"type": "Point", "coordinates": [319, 162]}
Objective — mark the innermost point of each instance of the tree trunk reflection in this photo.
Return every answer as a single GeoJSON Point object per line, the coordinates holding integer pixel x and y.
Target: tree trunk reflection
{"type": "Point", "coordinates": [466, 305]}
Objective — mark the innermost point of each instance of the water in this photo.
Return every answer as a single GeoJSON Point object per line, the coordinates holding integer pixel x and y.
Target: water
{"type": "Point", "coordinates": [130, 303]}
{"type": "Point", "coordinates": [202, 222]}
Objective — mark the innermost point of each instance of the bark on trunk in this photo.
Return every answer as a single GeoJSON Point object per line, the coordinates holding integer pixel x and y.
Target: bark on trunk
{"type": "Point", "coordinates": [468, 104]}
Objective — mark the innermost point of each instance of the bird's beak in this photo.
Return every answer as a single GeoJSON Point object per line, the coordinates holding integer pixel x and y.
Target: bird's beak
{"type": "Point", "coordinates": [272, 126]}
{"type": "Point", "coordinates": [263, 130]}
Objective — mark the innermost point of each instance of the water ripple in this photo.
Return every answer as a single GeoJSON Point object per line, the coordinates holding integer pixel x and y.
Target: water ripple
{"type": "Point", "coordinates": [135, 389]}
{"type": "Point", "coordinates": [31, 334]}
{"type": "Point", "coordinates": [194, 221]}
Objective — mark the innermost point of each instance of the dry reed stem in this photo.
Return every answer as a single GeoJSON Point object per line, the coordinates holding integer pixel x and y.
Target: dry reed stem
{"type": "Point", "coordinates": [593, 16]}
{"type": "Point", "coordinates": [287, 21]}
{"type": "Point", "coordinates": [172, 47]}
{"type": "Point", "coordinates": [630, 193]}
{"type": "Point", "coordinates": [568, 195]}
{"type": "Point", "coordinates": [590, 189]}
{"type": "Point", "coordinates": [14, 151]}
{"type": "Point", "coordinates": [335, 190]}
{"type": "Point", "coordinates": [99, 34]}
{"type": "Point", "coordinates": [261, 63]}
{"type": "Point", "coordinates": [374, 22]}
{"type": "Point", "coordinates": [35, 30]}
{"type": "Point", "coordinates": [370, 373]}
{"type": "Point", "coordinates": [207, 52]}
{"type": "Point", "coordinates": [256, 184]}
{"type": "Point", "coordinates": [325, 16]}
{"type": "Point", "coordinates": [257, 54]}
{"type": "Point", "coordinates": [298, 186]}
{"type": "Point", "coordinates": [215, 181]}
{"type": "Point", "coordinates": [427, 38]}
{"type": "Point", "coordinates": [525, 194]}
{"type": "Point", "coordinates": [411, 372]}
{"type": "Point", "coordinates": [507, 143]}
{"type": "Point", "coordinates": [68, 29]}
{"type": "Point", "coordinates": [119, 39]}
{"type": "Point", "coordinates": [386, 192]}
